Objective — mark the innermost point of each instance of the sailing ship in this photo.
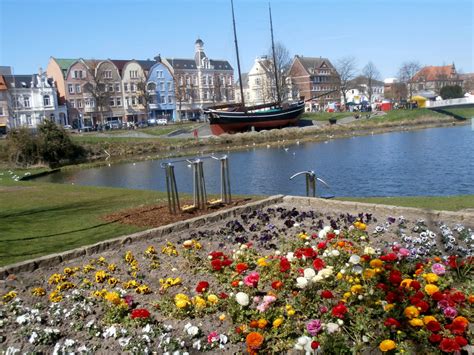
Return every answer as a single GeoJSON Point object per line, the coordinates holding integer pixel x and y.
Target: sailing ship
{"type": "Point", "coordinates": [239, 118]}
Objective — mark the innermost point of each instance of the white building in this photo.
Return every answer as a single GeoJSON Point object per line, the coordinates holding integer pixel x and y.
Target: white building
{"type": "Point", "coordinates": [32, 98]}
{"type": "Point", "coordinates": [360, 91]}
{"type": "Point", "coordinates": [259, 83]}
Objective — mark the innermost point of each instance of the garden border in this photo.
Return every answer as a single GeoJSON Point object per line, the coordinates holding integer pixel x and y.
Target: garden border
{"type": "Point", "coordinates": [325, 205]}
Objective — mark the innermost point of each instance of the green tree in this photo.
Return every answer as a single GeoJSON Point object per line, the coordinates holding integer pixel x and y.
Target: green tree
{"type": "Point", "coordinates": [22, 147]}
{"type": "Point", "coordinates": [451, 92]}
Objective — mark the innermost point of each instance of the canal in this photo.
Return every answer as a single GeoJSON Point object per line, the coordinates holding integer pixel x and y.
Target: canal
{"type": "Point", "coordinates": [436, 161]}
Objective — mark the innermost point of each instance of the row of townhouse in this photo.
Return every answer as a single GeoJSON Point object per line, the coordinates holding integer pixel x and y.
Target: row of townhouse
{"type": "Point", "coordinates": [97, 91]}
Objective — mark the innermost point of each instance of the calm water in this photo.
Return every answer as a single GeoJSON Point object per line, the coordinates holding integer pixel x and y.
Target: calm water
{"type": "Point", "coordinates": [438, 161]}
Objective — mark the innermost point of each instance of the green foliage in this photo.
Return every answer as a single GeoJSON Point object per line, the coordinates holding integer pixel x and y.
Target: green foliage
{"type": "Point", "coordinates": [451, 92]}
{"type": "Point", "coordinates": [51, 144]}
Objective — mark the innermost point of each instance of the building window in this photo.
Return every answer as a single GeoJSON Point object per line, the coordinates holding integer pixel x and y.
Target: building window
{"type": "Point", "coordinates": [125, 87]}
{"type": "Point", "coordinates": [111, 101]}
{"type": "Point", "coordinates": [168, 84]}
{"type": "Point", "coordinates": [73, 103]}
{"type": "Point", "coordinates": [78, 88]}
{"type": "Point", "coordinates": [26, 101]}
{"type": "Point", "coordinates": [46, 100]}
{"type": "Point", "coordinates": [118, 101]}
{"type": "Point", "coordinates": [133, 87]}
{"type": "Point", "coordinates": [127, 101]}
{"type": "Point", "coordinates": [111, 88]}
{"type": "Point", "coordinates": [117, 87]}
{"type": "Point", "coordinates": [181, 82]}
{"type": "Point", "coordinates": [107, 74]}
{"type": "Point", "coordinates": [70, 88]}
{"type": "Point", "coordinates": [151, 87]}
{"type": "Point", "coordinates": [162, 86]}
{"type": "Point", "coordinates": [1, 111]}
{"type": "Point", "coordinates": [79, 103]}
{"type": "Point", "coordinates": [194, 80]}
{"type": "Point", "coordinates": [28, 120]}
{"type": "Point", "coordinates": [159, 74]}
{"type": "Point", "coordinates": [133, 74]}
{"type": "Point", "coordinates": [134, 100]}
{"type": "Point", "coordinates": [170, 99]}
{"type": "Point", "coordinates": [77, 74]}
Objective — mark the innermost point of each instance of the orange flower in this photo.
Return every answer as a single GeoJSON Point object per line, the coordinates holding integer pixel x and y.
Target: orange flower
{"type": "Point", "coordinates": [471, 299]}
{"type": "Point", "coordinates": [262, 323]}
{"type": "Point", "coordinates": [461, 319]}
{"type": "Point", "coordinates": [254, 341]}
{"type": "Point", "coordinates": [254, 324]}
{"type": "Point", "coordinates": [341, 243]}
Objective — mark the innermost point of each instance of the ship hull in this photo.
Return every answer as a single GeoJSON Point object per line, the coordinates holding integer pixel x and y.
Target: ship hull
{"type": "Point", "coordinates": [234, 122]}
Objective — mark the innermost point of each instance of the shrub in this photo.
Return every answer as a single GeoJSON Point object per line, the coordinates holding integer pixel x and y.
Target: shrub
{"type": "Point", "coordinates": [451, 92]}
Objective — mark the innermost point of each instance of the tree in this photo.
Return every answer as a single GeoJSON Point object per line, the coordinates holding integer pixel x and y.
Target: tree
{"type": "Point", "coordinates": [406, 73]}
{"type": "Point", "coordinates": [145, 96]}
{"type": "Point", "coordinates": [283, 63]}
{"type": "Point", "coordinates": [217, 88]}
{"type": "Point", "coordinates": [451, 92]}
{"type": "Point", "coordinates": [346, 68]}
{"type": "Point", "coordinates": [179, 93]}
{"type": "Point", "coordinates": [371, 75]}
{"type": "Point", "coordinates": [97, 88]}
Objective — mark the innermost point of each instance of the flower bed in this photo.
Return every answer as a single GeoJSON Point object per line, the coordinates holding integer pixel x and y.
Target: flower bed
{"type": "Point", "coordinates": [272, 280]}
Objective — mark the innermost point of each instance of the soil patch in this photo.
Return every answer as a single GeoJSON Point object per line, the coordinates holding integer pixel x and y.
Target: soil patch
{"type": "Point", "coordinates": [159, 215]}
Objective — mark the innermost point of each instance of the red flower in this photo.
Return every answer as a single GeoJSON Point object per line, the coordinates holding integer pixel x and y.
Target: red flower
{"type": "Point", "coordinates": [216, 265]}
{"type": "Point", "coordinates": [314, 345]}
{"type": "Point", "coordinates": [276, 285]}
{"type": "Point", "coordinates": [415, 285]}
{"type": "Point", "coordinates": [223, 295]}
{"type": "Point", "coordinates": [216, 254]}
{"type": "Point", "coordinates": [462, 342]}
{"type": "Point", "coordinates": [141, 313]}
{"type": "Point", "coordinates": [226, 262]}
{"type": "Point", "coordinates": [392, 323]}
{"type": "Point", "coordinates": [327, 294]}
{"type": "Point", "coordinates": [437, 296]}
{"type": "Point", "coordinates": [202, 286]}
{"type": "Point", "coordinates": [452, 262]}
{"type": "Point", "coordinates": [284, 265]}
{"type": "Point", "coordinates": [457, 327]}
{"type": "Point", "coordinates": [391, 297]}
{"type": "Point", "coordinates": [318, 264]}
{"type": "Point", "coordinates": [423, 306]}
{"type": "Point", "coordinates": [433, 326]}
{"type": "Point", "coordinates": [435, 338]}
{"type": "Point", "coordinates": [382, 287]}
{"type": "Point", "coordinates": [458, 297]}
{"type": "Point", "coordinates": [390, 257]}
{"type": "Point", "coordinates": [395, 277]}
{"type": "Point", "coordinates": [449, 345]}
{"type": "Point", "coordinates": [241, 267]}
{"type": "Point", "coordinates": [322, 245]}
{"type": "Point", "coordinates": [339, 311]}
{"type": "Point", "coordinates": [330, 236]}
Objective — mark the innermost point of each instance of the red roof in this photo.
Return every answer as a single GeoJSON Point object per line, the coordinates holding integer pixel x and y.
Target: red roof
{"type": "Point", "coordinates": [433, 73]}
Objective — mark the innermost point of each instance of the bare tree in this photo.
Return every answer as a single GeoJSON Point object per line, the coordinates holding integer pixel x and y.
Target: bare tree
{"type": "Point", "coordinates": [346, 68]}
{"type": "Point", "coordinates": [145, 96]}
{"type": "Point", "coordinates": [97, 88]}
{"type": "Point", "coordinates": [283, 63]}
{"type": "Point", "coordinates": [179, 93]}
{"type": "Point", "coordinates": [406, 73]}
{"type": "Point", "coordinates": [217, 88]}
{"type": "Point", "coordinates": [371, 75]}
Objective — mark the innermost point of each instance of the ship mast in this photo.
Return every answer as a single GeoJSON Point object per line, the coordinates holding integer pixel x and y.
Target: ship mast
{"type": "Point", "coordinates": [274, 56]}
{"type": "Point", "coordinates": [238, 60]}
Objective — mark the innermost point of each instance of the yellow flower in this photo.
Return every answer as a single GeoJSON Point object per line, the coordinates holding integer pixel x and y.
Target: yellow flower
{"type": "Point", "coordinates": [38, 291]}
{"type": "Point", "coordinates": [55, 297]}
{"type": "Point", "coordinates": [347, 295]}
{"type": "Point", "coordinates": [375, 263]}
{"type": "Point", "coordinates": [169, 249]}
{"type": "Point", "coordinates": [212, 299]}
{"type": "Point", "coordinates": [112, 281]}
{"type": "Point", "coordinates": [143, 289]}
{"type": "Point", "coordinates": [262, 323]}
{"type": "Point", "coordinates": [427, 319]}
{"type": "Point", "coordinates": [339, 276]}
{"type": "Point", "coordinates": [303, 236]}
{"type": "Point", "coordinates": [199, 302]}
{"type": "Point", "coordinates": [181, 300]}
{"type": "Point", "coordinates": [9, 296]}
{"type": "Point", "coordinates": [222, 317]}
{"type": "Point", "coordinates": [86, 282]}
{"type": "Point", "coordinates": [113, 297]}
{"type": "Point", "coordinates": [416, 322]}
{"type": "Point", "coordinates": [430, 277]}
{"type": "Point", "coordinates": [191, 243]}
{"type": "Point", "coordinates": [112, 267]}
{"type": "Point", "coordinates": [360, 226]}
{"type": "Point", "coordinates": [406, 283]}
{"type": "Point", "coordinates": [277, 322]}
{"type": "Point", "coordinates": [262, 262]}
{"type": "Point", "coordinates": [100, 276]}
{"type": "Point", "coordinates": [430, 289]}
{"type": "Point", "coordinates": [55, 279]}
{"type": "Point", "coordinates": [130, 284]}
{"type": "Point", "coordinates": [129, 257]}
{"type": "Point", "coordinates": [368, 273]}
{"type": "Point", "coordinates": [387, 345]}
{"type": "Point", "coordinates": [100, 293]}
{"type": "Point", "coordinates": [388, 307]}
{"type": "Point", "coordinates": [68, 271]}
{"type": "Point", "coordinates": [291, 312]}
{"type": "Point", "coordinates": [357, 289]}
{"type": "Point", "coordinates": [65, 286]}
{"type": "Point", "coordinates": [88, 268]}
{"type": "Point", "coordinates": [101, 260]}
{"type": "Point", "coordinates": [411, 312]}
{"type": "Point", "coordinates": [150, 250]}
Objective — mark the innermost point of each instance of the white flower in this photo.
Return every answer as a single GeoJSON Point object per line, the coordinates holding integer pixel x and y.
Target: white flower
{"type": "Point", "coordinates": [340, 322]}
{"type": "Point", "coordinates": [369, 250]}
{"type": "Point", "coordinates": [193, 330]}
{"type": "Point", "coordinates": [147, 328]}
{"type": "Point", "coordinates": [322, 234]}
{"type": "Point", "coordinates": [110, 332]}
{"type": "Point", "coordinates": [11, 351]}
{"type": "Point", "coordinates": [124, 341]}
{"type": "Point", "coordinates": [354, 259]}
{"type": "Point", "coordinates": [277, 252]}
{"type": "Point", "coordinates": [242, 298]}
{"type": "Point", "coordinates": [223, 338]}
{"type": "Point", "coordinates": [83, 349]}
{"type": "Point", "coordinates": [197, 345]}
{"type": "Point", "coordinates": [69, 342]}
{"type": "Point", "coordinates": [33, 338]}
{"type": "Point", "coordinates": [90, 323]}
{"type": "Point", "coordinates": [146, 338]}
{"type": "Point", "coordinates": [335, 252]}
{"type": "Point", "coordinates": [301, 282]}
{"type": "Point", "coordinates": [290, 256]}
{"type": "Point", "coordinates": [309, 273]}
{"type": "Point", "coordinates": [304, 343]}
{"type": "Point", "coordinates": [332, 327]}
{"type": "Point", "coordinates": [365, 338]}
{"type": "Point", "coordinates": [23, 319]}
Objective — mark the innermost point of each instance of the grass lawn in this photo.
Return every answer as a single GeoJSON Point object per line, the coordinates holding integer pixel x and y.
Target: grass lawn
{"type": "Point", "coordinates": [466, 112]}
{"type": "Point", "coordinates": [446, 203]}
{"type": "Point", "coordinates": [43, 218]}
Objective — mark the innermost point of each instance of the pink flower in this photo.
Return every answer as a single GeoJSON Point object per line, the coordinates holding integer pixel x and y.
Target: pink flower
{"type": "Point", "coordinates": [450, 312]}
{"type": "Point", "coordinates": [323, 309]}
{"type": "Point", "coordinates": [438, 269]}
{"type": "Point", "coordinates": [212, 337]}
{"type": "Point", "coordinates": [267, 301]}
{"type": "Point", "coordinates": [251, 279]}
{"type": "Point", "coordinates": [404, 252]}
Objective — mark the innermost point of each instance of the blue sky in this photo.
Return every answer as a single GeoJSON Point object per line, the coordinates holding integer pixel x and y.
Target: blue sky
{"type": "Point", "coordinates": [387, 32]}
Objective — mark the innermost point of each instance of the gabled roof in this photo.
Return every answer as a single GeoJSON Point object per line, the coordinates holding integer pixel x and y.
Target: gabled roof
{"type": "Point", "coordinates": [245, 81]}
{"type": "Point", "coordinates": [3, 84]}
{"type": "Point", "coordinates": [310, 63]}
{"type": "Point", "coordinates": [221, 64]}
{"type": "Point", "coordinates": [119, 63]}
{"type": "Point", "coordinates": [178, 63]}
{"type": "Point", "coordinates": [146, 64]}
{"type": "Point", "coordinates": [20, 81]}
{"type": "Point", "coordinates": [433, 73]}
{"type": "Point", "coordinates": [64, 63]}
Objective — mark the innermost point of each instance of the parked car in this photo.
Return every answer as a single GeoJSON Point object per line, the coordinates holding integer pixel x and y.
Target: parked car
{"type": "Point", "coordinates": [152, 121]}
{"type": "Point", "coordinates": [67, 127]}
{"type": "Point", "coordinates": [86, 129]}
{"type": "Point", "coordinates": [142, 124]}
{"type": "Point", "coordinates": [162, 121]}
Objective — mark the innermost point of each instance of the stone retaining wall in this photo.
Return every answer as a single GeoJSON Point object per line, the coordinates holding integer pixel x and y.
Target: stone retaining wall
{"type": "Point", "coordinates": [321, 205]}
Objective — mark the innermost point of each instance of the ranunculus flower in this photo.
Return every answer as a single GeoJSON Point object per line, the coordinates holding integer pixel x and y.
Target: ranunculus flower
{"type": "Point", "coordinates": [449, 345]}
{"type": "Point", "coordinates": [354, 259]}
{"type": "Point", "coordinates": [140, 313]}
{"type": "Point", "coordinates": [251, 279]}
{"type": "Point", "coordinates": [241, 267]}
{"type": "Point", "coordinates": [318, 264]}
{"type": "Point", "coordinates": [433, 326]}
{"type": "Point", "coordinates": [339, 311]}
{"type": "Point", "coordinates": [202, 286]}
{"type": "Point", "coordinates": [450, 312]}
{"type": "Point", "coordinates": [212, 337]}
{"type": "Point", "coordinates": [392, 323]}
{"type": "Point", "coordinates": [327, 294]}
{"type": "Point", "coordinates": [432, 289]}
{"type": "Point", "coordinates": [309, 273]}
{"type": "Point", "coordinates": [276, 285]}
{"type": "Point", "coordinates": [301, 282]}
{"type": "Point", "coordinates": [411, 312]}
{"type": "Point", "coordinates": [435, 338]}
{"type": "Point", "coordinates": [242, 298]}
{"type": "Point", "coordinates": [284, 265]}
{"type": "Point", "coordinates": [314, 327]}
{"type": "Point", "coordinates": [438, 269]}
{"type": "Point", "coordinates": [254, 341]}
{"type": "Point", "coordinates": [216, 265]}
{"type": "Point", "coordinates": [387, 345]}
{"type": "Point", "coordinates": [391, 257]}
{"type": "Point", "coordinates": [431, 277]}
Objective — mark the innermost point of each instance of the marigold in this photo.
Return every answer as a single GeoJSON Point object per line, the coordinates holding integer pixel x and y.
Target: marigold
{"type": "Point", "coordinates": [387, 345]}
{"type": "Point", "coordinates": [431, 277]}
{"type": "Point", "coordinates": [471, 299]}
{"type": "Point", "coordinates": [277, 322]}
{"type": "Point", "coordinates": [375, 263]}
{"type": "Point", "coordinates": [416, 322]}
{"type": "Point", "coordinates": [431, 289]}
{"type": "Point", "coordinates": [427, 319]}
{"type": "Point", "coordinates": [254, 340]}
{"type": "Point", "coordinates": [113, 297]}
{"type": "Point", "coordinates": [411, 312]}
{"type": "Point", "coordinates": [262, 323]}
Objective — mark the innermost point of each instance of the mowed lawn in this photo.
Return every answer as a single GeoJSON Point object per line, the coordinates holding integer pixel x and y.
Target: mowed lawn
{"type": "Point", "coordinates": [43, 218]}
